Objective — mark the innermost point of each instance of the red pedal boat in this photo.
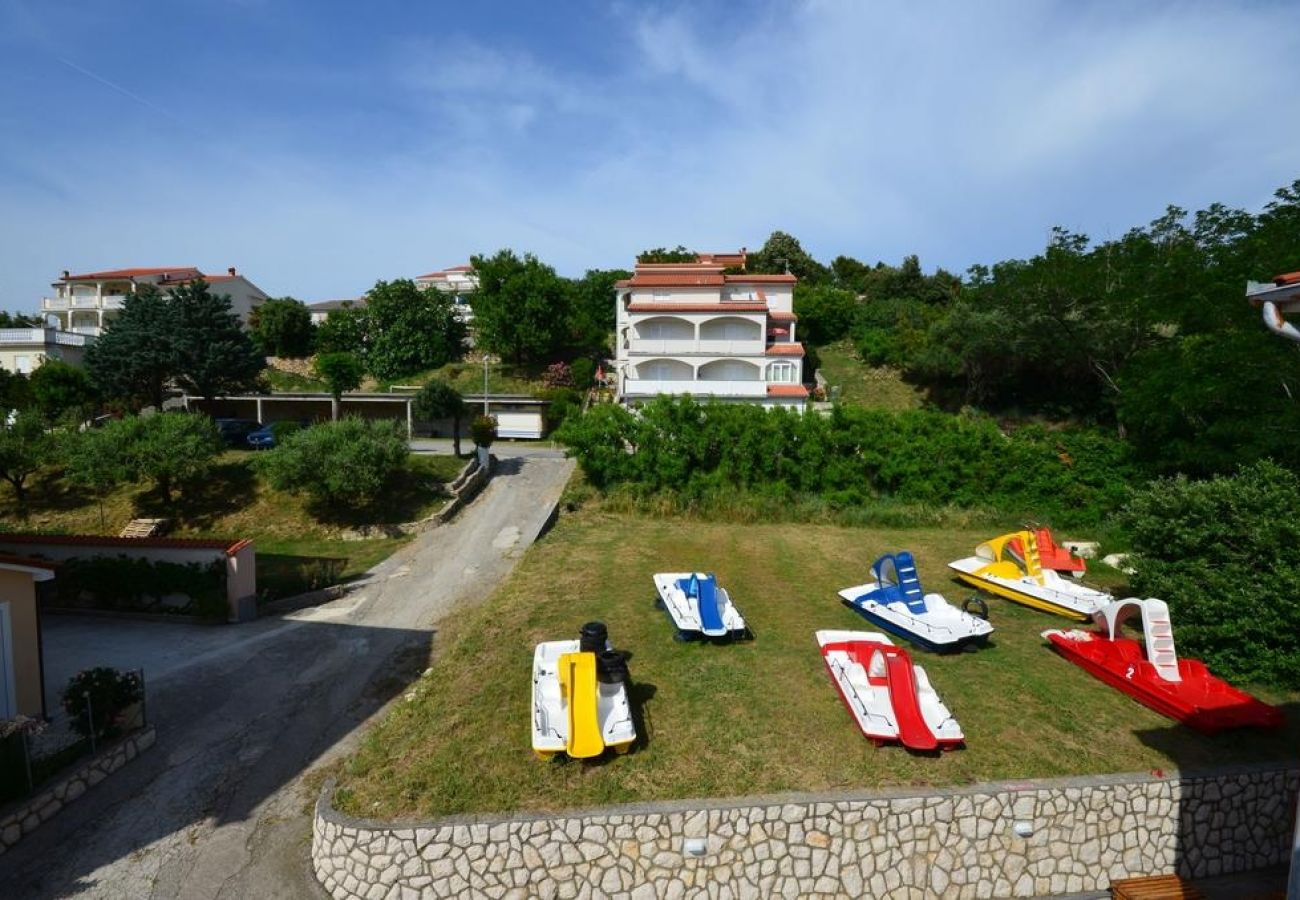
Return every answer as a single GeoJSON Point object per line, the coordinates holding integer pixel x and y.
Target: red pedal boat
{"type": "Point", "coordinates": [1182, 689]}
{"type": "Point", "coordinates": [1052, 555]}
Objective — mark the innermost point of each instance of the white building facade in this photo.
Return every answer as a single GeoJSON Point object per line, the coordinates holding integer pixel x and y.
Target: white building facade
{"type": "Point", "coordinates": [694, 328]}
{"type": "Point", "coordinates": [459, 281]}
{"type": "Point", "coordinates": [83, 304]}
{"type": "Point", "coordinates": [23, 350]}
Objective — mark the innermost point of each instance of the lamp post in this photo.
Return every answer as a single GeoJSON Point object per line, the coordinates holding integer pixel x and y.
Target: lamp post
{"type": "Point", "coordinates": [485, 383]}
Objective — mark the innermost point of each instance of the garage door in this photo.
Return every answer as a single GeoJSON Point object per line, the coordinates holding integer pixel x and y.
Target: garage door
{"type": "Point", "coordinates": [519, 425]}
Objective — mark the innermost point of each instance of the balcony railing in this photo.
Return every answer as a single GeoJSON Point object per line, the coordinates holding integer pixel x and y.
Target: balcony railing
{"type": "Point", "coordinates": [645, 387]}
{"type": "Point", "coordinates": [642, 347]}
{"type": "Point", "coordinates": [108, 301]}
{"type": "Point", "coordinates": [40, 336]}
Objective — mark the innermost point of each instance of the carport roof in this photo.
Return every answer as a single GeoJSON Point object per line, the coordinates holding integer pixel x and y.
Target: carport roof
{"type": "Point", "coordinates": [93, 540]}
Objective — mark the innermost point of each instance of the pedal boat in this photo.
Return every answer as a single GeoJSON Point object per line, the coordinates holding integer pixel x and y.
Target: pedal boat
{"type": "Point", "coordinates": [698, 605]}
{"type": "Point", "coordinates": [1052, 555]}
{"type": "Point", "coordinates": [896, 603]}
{"type": "Point", "coordinates": [574, 711]}
{"type": "Point", "coordinates": [1182, 689]}
{"type": "Point", "coordinates": [890, 698]}
{"type": "Point", "coordinates": [1009, 567]}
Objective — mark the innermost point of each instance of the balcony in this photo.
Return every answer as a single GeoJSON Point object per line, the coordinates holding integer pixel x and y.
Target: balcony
{"type": "Point", "coordinates": [60, 304]}
{"type": "Point", "coordinates": [652, 347]}
{"type": "Point", "coordinates": [41, 336]}
{"type": "Point", "coordinates": [643, 387]}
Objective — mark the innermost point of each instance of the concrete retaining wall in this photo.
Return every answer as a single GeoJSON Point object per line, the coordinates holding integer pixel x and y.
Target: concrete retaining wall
{"type": "Point", "coordinates": [995, 840]}
{"type": "Point", "coordinates": [21, 819]}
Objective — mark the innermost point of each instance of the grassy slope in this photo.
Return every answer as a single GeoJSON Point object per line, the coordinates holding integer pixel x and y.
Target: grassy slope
{"type": "Point", "coordinates": [748, 718]}
{"type": "Point", "coordinates": [863, 385]}
{"type": "Point", "coordinates": [296, 551]}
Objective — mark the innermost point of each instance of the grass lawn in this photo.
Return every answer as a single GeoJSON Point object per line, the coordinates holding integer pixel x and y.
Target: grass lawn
{"type": "Point", "coordinates": [863, 385]}
{"type": "Point", "coordinates": [748, 718]}
{"type": "Point", "coordinates": [467, 378]}
{"type": "Point", "coordinates": [292, 382]}
{"type": "Point", "coordinates": [298, 548]}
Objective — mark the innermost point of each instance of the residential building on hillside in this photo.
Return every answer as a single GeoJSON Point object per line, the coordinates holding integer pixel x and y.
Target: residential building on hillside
{"type": "Point", "coordinates": [82, 304]}
{"type": "Point", "coordinates": [24, 349]}
{"type": "Point", "coordinates": [694, 328]}
{"type": "Point", "coordinates": [458, 281]}
{"type": "Point", "coordinates": [320, 311]}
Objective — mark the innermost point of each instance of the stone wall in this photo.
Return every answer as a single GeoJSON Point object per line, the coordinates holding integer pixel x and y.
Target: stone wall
{"type": "Point", "coordinates": [22, 818]}
{"type": "Point", "coordinates": [996, 840]}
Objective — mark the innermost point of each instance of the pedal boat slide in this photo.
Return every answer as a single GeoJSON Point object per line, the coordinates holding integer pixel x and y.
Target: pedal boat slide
{"type": "Point", "coordinates": [1009, 567]}
{"type": "Point", "coordinates": [1182, 689]}
{"type": "Point", "coordinates": [890, 698]}
{"type": "Point", "coordinates": [1052, 555]}
{"type": "Point", "coordinates": [579, 707]}
{"type": "Point", "coordinates": [896, 603]}
{"type": "Point", "coordinates": [698, 605]}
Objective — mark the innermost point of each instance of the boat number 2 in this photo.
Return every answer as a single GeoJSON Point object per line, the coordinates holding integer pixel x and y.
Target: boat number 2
{"type": "Point", "coordinates": [1131, 670]}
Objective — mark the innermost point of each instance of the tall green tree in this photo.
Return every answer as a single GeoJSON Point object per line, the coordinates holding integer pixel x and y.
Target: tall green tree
{"type": "Point", "coordinates": [342, 373]}
{"type": "Point", "coordinates": [410, 329]}
{"type": "Point", "coordinates": [25, 446]}
{"type": "Point", "coordinates": [439, 400]}
{"type": "Point", "coordinates": [825, 312]}
{"type": "Point", "coordinates": [15, 391]}
{"type": "Point", "coordinates": [783, 253]}
{"type": "Point", "coordinates": [60, 390]}
{"type": "Point", "coordinates": [345, 330]}
{"type": "Point", "coordinates": [594, 298]}
{"type": "Point", "coordinates": [96, 459]}
{"type": "Point", "coordinates": [19, 320]}
{"type": "Point", "coordinates": [678, 254]}
{"type": "Point", "coordinates": [214, 354]}
{"type": "Point", "coordinates": [282, 327]}
{"type": "Point", "coordinates": [521, 307]}
{"type": "Point", "coordinates": [173, 449]}
{"type": "Point", "coordinates": [136, 356]}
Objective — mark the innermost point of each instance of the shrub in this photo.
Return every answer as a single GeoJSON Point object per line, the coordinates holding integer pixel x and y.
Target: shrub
{"type": "Point", "coordinates": [564, 402]}
{"type": "Point", "coordinates": [584, 373]}
{"type": "Point", "coordinates": [484, 430]}
{"type": "Point", "coordinates": [94, 698]}
{"type": "Point", "coordinates": [348, 462]}
{"type": "Point", "coordinates": [1225, 555]}
{"type": "Point", "coordinates": [558, 375]}
{"type": "Point", "coordinates": [174, 449]}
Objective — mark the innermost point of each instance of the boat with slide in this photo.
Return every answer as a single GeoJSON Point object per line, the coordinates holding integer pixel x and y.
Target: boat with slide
{"type": "Point", "coordinates": [698, 605]}
{"type": "Point", "coordinates": [890, 698]}
{"type": "Point", "coordinates": [1051, 554]}
{"type": "Point", "coordinates": [580, 701]}
{"type": "Point", "coordinates": [1182, 689]}
{"type": "Point", "coordinates": [896, 602]}
{"type": "Point", "coordinates": [1009, 566]}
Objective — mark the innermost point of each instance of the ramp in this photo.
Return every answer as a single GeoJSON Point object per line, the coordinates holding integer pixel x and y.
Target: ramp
{"type": "Point", "coordinates": [578, 685]}
{"type": "Point", "coordinates": [908, 582]}
{"type": "Point", "coordinates": [912, 730]}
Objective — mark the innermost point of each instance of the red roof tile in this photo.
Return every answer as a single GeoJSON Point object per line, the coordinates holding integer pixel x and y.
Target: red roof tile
{"type": "Point", "coordinates": [87, 540]}
{"type": "Point", "coordinates": [1287, 278]}
{"type": "Point", "coordinates": [760, 279]}
{"type": "Point", "coordinates": [697, 307]}
{"type": "Point", "coordinates": [130, 273]}
{"type": "Point", "coordinates": [782, 316]}
{"type": "Point", "coordinates": [678, 279]}
{"type": "Point", "coordinates": [787, 390]}
{"type": "Point", "coordinates": [793, 348]}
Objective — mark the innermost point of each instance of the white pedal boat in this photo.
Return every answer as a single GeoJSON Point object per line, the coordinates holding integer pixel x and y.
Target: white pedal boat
{"type": "Point", "coordinates": [574, 711]}
{"type": "Point", "coordinates": [1009, 566]}
{"type": "Point", "coordinates": [697, 604]}
{"type": "Point", "coordinates": [890, 698]}
{"type": "Point", "coordinates": [896, 603]}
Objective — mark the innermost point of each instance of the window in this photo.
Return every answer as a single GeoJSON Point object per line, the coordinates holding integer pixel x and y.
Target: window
{"type": "Point", "coordinates": [23, 364]}
{"type": "Point", "coordinates": [780, 373]}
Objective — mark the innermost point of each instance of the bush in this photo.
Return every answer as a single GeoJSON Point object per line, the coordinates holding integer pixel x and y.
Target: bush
{"type": "Point", "coordinates": [348, 462]}
{"type": "Point", "coordinates": [1225, 555]}
{"type": "Point", "coordinates": [94, 698]}
{"type": "Point", "coordinates": [140, 585]}
{"type": "Point", "coordinates": [564, 402]}
{"type": "Point", "coordinates": [584, 373]}
{"type": "Point", "coordinates": [484, 430]}
{"type": "Point", "coordinates": [558, 375]}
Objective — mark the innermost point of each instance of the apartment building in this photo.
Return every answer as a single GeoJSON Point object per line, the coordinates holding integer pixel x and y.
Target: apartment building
{"type": "Point", "coordinates": [458, 281]}
{"type": "Point", "coordinates": [700, 328]}
{"type": "Point", "coordinates": [83, 304]}
{"type": "Point", "coordinates": [23, 350]}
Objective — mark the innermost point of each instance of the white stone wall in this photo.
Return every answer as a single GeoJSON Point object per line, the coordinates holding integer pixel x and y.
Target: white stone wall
{"type": "Point", "coordinates": [945, 844]}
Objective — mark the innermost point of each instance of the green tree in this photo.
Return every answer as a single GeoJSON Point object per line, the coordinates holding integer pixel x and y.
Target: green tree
{"type": "Point", "coordinates": [214, 354]}
{"type": "Point", "coordinates": [20, 320]}
{"type": "Point", "coordinates": [484, 430]}
{"type": "Point", "coordinates": [825, 312]}
{"type": "Point", "coordinates": [594, 298]}
{"type": "Point", "coordinates": [15, 391]}
{"type": "Point", "coordinates": [59, 389]}
{"type": "Point", "coordinates": [173, 449]}
{"type": "Point", "coordinates": [342, 373]}
{"type": "Point", "coordinates": [783, 253]}
{"type": "Point", "coordinates": [25, 447]}
{"type": "Point", "coordinates": [439, 400]}
{"type": "Point", "coordinates": [136, 355]}
{"type": "Point", "coordinates": [350, 462]}
{"type": "Point", "coordinates": [521, 307]}
{"type": "Point", "coordinates": [345, 330]}
{"type": "Point", "coordinates": [282, 327]}
{"type": "Point", "coordinates": [96, 459]}
{"type": "Point", "coordinates": [678, 254]}
{"type": "Point", "coordinates": [410, 329]}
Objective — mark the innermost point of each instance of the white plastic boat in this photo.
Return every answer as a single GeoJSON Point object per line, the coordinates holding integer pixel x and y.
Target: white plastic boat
{"type": "Point", "coordinates": [1009, 566]}
{"type": "Point", "coordinates": [697, 604]}
{"type": "Point", "coordinates": [890, 698]}
{"type": "Point", "coordinates": [574, 710]}
{"type": "Point", "coordinates": [896, 602]}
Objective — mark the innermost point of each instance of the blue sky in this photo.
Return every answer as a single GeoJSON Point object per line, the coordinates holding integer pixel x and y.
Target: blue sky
{"type": "Point", "coordinates": [320, 146]}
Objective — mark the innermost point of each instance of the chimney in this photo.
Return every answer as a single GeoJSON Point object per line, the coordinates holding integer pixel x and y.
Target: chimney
{"type": "Point", "coordinates": [231, 270]}
{"type": "Point", "coordinates": [66, 274]}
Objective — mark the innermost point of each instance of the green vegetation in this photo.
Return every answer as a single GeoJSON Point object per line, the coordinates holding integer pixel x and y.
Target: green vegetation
{"type": "Point", "coordinates": [280, 381]}
{"type": "Point", "coordinates": [439, 400]}
{"type": "Point", "coordinates": [750, 718]}
{"type": "Point", "coordinates": [349, 463]}
{"type": "Point", "coordinates": [341, 372]}
{"type": "Point", "coordinates": [870, 387]}
{"type": "Point", "coordinates": [282, 327]}
{"type": "Point", "coordinates": [140, 585]}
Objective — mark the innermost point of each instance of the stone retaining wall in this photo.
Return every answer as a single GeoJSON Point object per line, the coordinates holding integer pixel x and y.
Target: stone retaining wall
{"type": "Point", "coordinates": [996, 840]}
{"type": "Point", "coordinates": [19, 820]}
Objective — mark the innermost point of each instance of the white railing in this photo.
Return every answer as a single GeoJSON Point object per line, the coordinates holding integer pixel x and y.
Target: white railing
{"type": "Point", "coordinates": [40, 336]}
{"type": "Point", "coordinates": [642, 387]}
{"type": "Point", "coordinates": [85, 330]}
{"type": "Point", "coordinates": [108, 301]}
{"type": "Point", "coordinates": [642, 347]}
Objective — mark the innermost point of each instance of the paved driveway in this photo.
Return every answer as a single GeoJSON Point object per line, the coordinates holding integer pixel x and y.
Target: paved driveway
{"type": "Point", "coordinates": [218, 808]}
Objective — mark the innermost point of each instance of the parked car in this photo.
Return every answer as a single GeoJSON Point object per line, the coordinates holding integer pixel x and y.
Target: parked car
{"type": "Point", "coordinates": [235, 431]}
{"type": "Point", "coordinates": [268, 435]}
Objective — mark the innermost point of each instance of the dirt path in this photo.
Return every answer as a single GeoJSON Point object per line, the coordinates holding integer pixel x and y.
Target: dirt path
{"type": "Point", "coordinates": [218, 807]}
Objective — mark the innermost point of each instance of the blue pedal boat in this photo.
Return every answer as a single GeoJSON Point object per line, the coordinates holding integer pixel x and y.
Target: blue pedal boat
{"type": "Point", "coordinates": [698, 605]}
{"type": "Point", "coordinates": [896, 603]}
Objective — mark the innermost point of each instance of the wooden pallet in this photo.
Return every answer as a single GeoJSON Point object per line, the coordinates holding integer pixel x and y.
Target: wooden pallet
{"type": "Point", "coordinates": [143, 528]}
{"type": "Point", "coordinates": [1154, 887]}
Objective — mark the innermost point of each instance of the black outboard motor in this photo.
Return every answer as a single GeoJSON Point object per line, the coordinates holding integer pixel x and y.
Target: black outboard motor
{"type": "Point", "coordinates": [593, 638]}
{"type": "Point", "coordinates": [611, 667]}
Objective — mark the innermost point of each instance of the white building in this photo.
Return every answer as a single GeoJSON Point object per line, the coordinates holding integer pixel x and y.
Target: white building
{"type": "Point", "coordinates": [691, 328]}
{"type": "Point", "coordinates": [458, 281]}
{"type": "Point", "coordinates": [320, 311]}
{"type": "Point", "coordinates": [82, 304]}
{"type": "Point", "coordinates": [23, 350]}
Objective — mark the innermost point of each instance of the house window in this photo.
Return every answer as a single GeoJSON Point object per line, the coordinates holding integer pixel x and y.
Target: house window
{"type": "Point", "coordinates": [23, 364]}
{"type": "Point", "coordinates": [780, 373]}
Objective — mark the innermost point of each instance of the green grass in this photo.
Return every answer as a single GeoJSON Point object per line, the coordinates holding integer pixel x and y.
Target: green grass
{"type": "Point", "coordinates": [467, 377]}
{"type": "Point", "coordinates": [863, 385]}
{"type": "Point", "coordinates": [292, 382]}
{"type": "Point", "coordinates": [747, 718]}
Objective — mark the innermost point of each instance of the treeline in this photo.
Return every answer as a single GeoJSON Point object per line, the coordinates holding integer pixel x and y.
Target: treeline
{"type": "Point", "coordinates": [1148, 333]}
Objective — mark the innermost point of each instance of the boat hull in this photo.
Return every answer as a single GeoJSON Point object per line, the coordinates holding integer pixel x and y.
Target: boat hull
{"type": "Point", "coordinates": [1024, 599]}
{"type": "Point", "coordinates": [899, 630]}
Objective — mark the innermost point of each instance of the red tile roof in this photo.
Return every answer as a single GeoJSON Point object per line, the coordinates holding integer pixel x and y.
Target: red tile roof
{"type": "Point", "coordinates": [792, 348]}
{"type": "Point", "coordinates": [87, 540]}
{"type": "Point", "coordinates": [697, 307]}
{"type": "Point", "coordinates": [1287, 278]}
{"type": "Point", "coordinates": [787, 390]}
{"type": "Point", "coordinates": [28, 562]}
{"type": "Point", "coordinates": [211, 278]}
{"type": "Point", "coordinates": [130, 273]}
{"type": "Point", "coordinates": [678, 279]}
{"type": "Point", "coordinates": [725, 259]}
{"type": "Point", "coordinates": [760, 279]}
{"type": "Point", "coordinates": [778, 315]}
{"type": "Point", "coordinates": [447, 271]}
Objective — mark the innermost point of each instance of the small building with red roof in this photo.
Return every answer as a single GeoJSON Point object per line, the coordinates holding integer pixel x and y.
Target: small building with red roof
{"type": "Point", "coordinates": [459, 281]}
